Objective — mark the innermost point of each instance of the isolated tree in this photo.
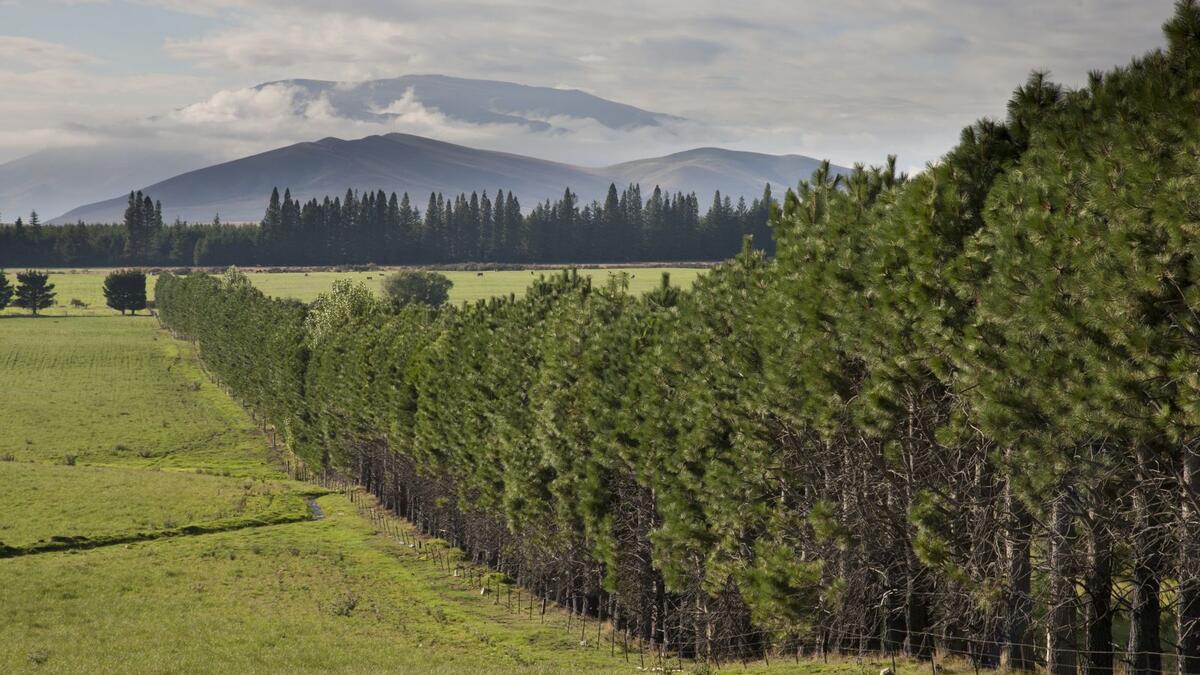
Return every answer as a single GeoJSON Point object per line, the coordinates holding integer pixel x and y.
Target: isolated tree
{"type": "Point", "coordinates": [34, 292]}
{"type": "Point", "coordinates": [409, 287]}
{"type": "Point", "coordinates": [6, 291]}
{"type": "Point", "coordinates": [125, 290]}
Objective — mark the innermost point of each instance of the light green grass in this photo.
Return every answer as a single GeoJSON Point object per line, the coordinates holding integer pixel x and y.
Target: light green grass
{"type": "Point", "coordinates": [468, 286]}
{"type": "Point", "coordinates": [87, 285]}
{"type": "Point", "coordinates": [316, 596]}
{"type": "Point", "coordinates": [40, 501]}
{"type": "Point", "coordinates": [116, 390]}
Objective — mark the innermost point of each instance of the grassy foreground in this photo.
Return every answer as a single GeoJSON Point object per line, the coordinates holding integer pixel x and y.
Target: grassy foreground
{"type": "Point", "coordinates": [86, 285]}
{"type": "Point", "coordinates": [186, 550]}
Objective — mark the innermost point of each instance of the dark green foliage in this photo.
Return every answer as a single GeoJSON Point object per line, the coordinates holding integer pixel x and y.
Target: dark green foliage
{"type": "Point", "coordinates": [125, 290]}
{"type": "Point", "coordinates": [948, 404]}
{"type": "Point", "coordinates": [366, 227]}
{"type": "Point", "coordinates": [409, 287]}
{"type": "Point", "coordinates": [34, 291]}
{"type": "Point", "coordinates": [6, 290]}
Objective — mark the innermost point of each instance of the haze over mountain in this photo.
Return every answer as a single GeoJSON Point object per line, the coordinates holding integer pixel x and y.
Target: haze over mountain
{"type": "Point", "coordinates": [543, 121]}
{"type": "Point", "coordinates": [238, 190]}
{"type": "Point", "coordinates": [468, 100]}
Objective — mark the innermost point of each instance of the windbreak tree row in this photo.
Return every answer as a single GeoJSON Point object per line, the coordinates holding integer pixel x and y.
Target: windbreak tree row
{"type": "Point", "coordinates": [374, 227]}
{"type": "Point", "coordinates": [956, 413]}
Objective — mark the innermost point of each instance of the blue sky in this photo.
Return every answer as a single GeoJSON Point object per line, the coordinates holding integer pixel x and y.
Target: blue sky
{"type": "Point", "coordinates": [852, 80]}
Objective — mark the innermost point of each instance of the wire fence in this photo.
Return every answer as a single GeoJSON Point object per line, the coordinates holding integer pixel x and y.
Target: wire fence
{"type": "Point", "coordinates": [597, 633]}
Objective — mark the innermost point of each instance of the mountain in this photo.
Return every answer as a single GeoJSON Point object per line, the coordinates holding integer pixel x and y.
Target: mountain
{"type": "Point", "coordinates": [238, 190]}
{"type": "Point", "coordinates": [228, 125]}
{"type": "Point", "coordinates": [52, 181]}
{"type": "Point", "coordinates": [467, 100]}
{"type": "Point", "coordinates": [707, 170]}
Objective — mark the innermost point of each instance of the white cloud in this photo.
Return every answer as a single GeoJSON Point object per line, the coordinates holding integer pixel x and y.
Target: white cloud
{"type": "Point", "coordinates": [39, 54]}
{"type": "Point", "coordinates": [852, 80]}
{"type": "Point", "coordinates": [333, 47]}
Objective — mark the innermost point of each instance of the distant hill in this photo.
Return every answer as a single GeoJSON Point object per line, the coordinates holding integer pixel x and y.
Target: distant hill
{"type": "Point", "coordinates": [55, 180]}
{"type": "Point", "coordinates": [52, 181]}
{"type": "Point", "coordinates": [706, 170]}
{"type": "Point", "coordinates": [238, 190]}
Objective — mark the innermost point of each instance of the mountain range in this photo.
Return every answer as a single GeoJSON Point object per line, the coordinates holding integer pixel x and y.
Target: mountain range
{"type": "Point", "coordinates": [234, 123]}
{"type": "Point", "coordinates": [238, 190]}
{"type": "Point", "coordinates": [223, 155]}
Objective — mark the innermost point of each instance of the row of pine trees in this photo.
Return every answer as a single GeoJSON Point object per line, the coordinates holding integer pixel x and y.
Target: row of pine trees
{"type": "Point", "coordinates": [374, 227]}
{"type": "Point", "coordinates": [955, 414]}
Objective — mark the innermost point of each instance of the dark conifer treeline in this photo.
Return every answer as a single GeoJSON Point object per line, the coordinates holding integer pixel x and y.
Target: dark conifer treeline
{"type": "Point", "coordinates": [374, 227]}
{"type": "Point", "coordinates": [958, 412]}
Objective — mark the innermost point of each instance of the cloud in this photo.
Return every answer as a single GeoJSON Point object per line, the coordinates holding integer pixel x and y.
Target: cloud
{"type": "Point", "coordinates": [853, 80]}
{"type": "Point", "coordinates": [675, 50]}
{"type": "Point", "coordinates": [336, 47]}
{"type": "Point", "coordinates": [237, 122]}
{"type": "Point", "coordinates": [39, 54]}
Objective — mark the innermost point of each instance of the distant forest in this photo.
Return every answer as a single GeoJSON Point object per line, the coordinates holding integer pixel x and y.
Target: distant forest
{"type": "Point", "coordinates": [374, 227]}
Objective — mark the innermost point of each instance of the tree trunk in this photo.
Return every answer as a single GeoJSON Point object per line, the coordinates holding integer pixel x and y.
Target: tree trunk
{"type": "Point", "coordinates": [1060, 630]}
{"type": "Point", "coordinates": [1098, 585]}
{"type": "Point", "coordinates": [1188, 614]}
{"type": "Point", "coordinates": [1018, 656]}
{"type": "Point", "coordinates": [920, 641]}
{"type": "Point", "coordinates": [1145, 645]}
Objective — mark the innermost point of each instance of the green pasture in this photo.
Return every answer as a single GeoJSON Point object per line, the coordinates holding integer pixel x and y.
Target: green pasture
{"type": "Point", "coordinates": [116, 390]}
{"type": "Point", "coordinates": [86, 286]}
{"type": "Point", "coordinates": [42, 501]}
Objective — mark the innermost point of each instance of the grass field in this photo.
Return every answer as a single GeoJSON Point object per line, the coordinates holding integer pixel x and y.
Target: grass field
{"type": "Point", "coordinates": [98, 501]}
{"type": "Point", "coordinates": [154, 448]}
{"type": "Point", "coordinates": [86, 285]}
{"type": "Point", "coordinates": [146, 529]}
{"type": "Point", "coordinates": [115, 390]}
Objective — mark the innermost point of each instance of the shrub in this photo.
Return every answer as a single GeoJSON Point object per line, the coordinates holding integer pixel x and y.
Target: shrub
{"type": "Point", "coordinates": [408, 287]}
{"type": "Point", "coordinates": [125, 290]}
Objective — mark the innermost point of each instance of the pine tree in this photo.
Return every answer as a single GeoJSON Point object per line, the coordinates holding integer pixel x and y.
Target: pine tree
{"type": "Point", "coordinates": [6, 290]}
{"type": "Point", "coordinates": [272, 220]}
{"type": "Point", "coordinates": [34, 292]}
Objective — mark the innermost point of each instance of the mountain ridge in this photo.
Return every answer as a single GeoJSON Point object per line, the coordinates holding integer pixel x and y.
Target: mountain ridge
{"type": "Point", "coordinates": [237, 190]}
{"type": "Point", "coordinates": [500, 114]}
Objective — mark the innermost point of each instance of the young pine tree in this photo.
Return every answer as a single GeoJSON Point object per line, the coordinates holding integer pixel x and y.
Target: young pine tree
{"type": "Point", "coordinates": [34, 292]}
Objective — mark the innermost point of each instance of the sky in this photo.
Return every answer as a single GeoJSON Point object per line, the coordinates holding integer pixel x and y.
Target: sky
{"type": "Point", "coordinates": [848, 80]}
